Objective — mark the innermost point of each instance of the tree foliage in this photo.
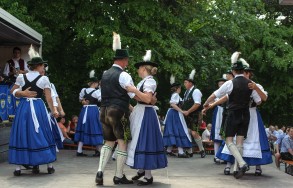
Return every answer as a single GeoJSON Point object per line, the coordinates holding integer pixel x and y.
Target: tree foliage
{"type": "Point", "coordinates": [183, 35]}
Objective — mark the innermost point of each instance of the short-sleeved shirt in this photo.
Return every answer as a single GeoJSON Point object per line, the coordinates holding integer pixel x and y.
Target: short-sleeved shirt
{"type": "Point", "coordinates": [125, 80]}
{"type": "Point", "coordinates": [42, 83]}
{"type": "Point", "coordinates": [175, 98]}
{"type": "Point", "coordinates": [206, 135]}
{"type": "Point", "coordinates": [227, 88]}
{"type": "Point", "coordinates": [96, 94]}
{"type": "Point", "coordinates": [287, 143]}
{"type": "Point", "coordinates": [149, 84]}
{"type": "Point", "coordinates": [196, 95]}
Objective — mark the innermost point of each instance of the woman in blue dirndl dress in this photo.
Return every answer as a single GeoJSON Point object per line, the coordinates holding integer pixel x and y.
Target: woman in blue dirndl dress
{"type": "Point", "coordinates": [175, 130]}
{"type": "Point", "coordinates": [146, 149]}
{"type": "Point", "coordinates": [31, 139]}
{"type": "Point", "coordinates": [89, 129]}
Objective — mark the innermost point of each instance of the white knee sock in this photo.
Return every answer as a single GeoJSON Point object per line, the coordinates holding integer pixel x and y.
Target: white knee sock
{"type": "Point", "coordinates": [79, 149]}
{"type": "Point", "coordinates": [240, 149]}
{"type": "Point", "coordinates": [148, 174]}
{"type": "Point", "coordinates": [17, 167]}
{"type": "Point", "coordinates": [140, 171]}
{"type": "Point", "coordinates": [228, 165]}
{"type": "Point", "coordinates": [180, 150]}
{"type": "Point", "coordinates": [189, 150]}
{"type": "Point", "coordinates": [121, 159]}
{"type": "Point", "coordinates": [169, 149]}
{"type": "Point", "coordinates": [104, 157]}
{"type": "Point", "coordinates": [199, 144]}
{"type": "Point", "coordinates": [216, 147]}
{"type": "Point", "coordinates": [236, 153]}
{"type": "Point", "coordinates": [50, 165]}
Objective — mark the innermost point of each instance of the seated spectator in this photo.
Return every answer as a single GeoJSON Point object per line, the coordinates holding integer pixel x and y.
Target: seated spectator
{"type": "Point", "coordinates": [72, 126]}
{"type": "Point", "coordinates": [272, 135]}
{"type": "Point", "coordinates": [287, 146]}
{"type": "Point", "coordinates": [207, 133]}
{"type": "Point", "coordinates": [67, 139]}
{"type": "Point", "coordinates": [277, 148]}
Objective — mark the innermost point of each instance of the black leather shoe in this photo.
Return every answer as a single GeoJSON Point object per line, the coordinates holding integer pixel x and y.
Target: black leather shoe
{"type": "Point", "coordinates": [171, 154]}
{"type": "Point", "coordinates": [183, 155]}
{"type": "Point", "coordinates": [138, 175]}
{"type": "Point", "coordinates": [97, 154]}
{"type": "Point", "coordinates": [227, 171]}
{"type": "Point", "coordinates": [27, 167]}
{"type": "Point", "coordinates": [80, 154]}
{"type": "Point", "coordinates": [51, 170]}
{"type": "Point", "coordinates": [241, 171]}
{"type": "Point", "coordinates": [189, 154]}
{"type": "Point", "coordinates": [258, 172]}
{"type": "Point", "coordinates": [99, 178]}
{"type": "Point", "coordinates": [36, 169]}
{"type": "Point", "coordinates": [217, 161]}
{"type": "Point", "coordinates": [17, 172]}
{"type": "Point", "coordinates": [147, 182]}
{"type": "Point", "coordinates": [122, 180]}
{"type": "Point", "coordinates": [202, 154]}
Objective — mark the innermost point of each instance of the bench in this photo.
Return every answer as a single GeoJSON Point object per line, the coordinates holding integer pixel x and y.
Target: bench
{"type": "Point", "coordinates": [287, 164]}
{"type": "Point", "coordinates": [85, 147]}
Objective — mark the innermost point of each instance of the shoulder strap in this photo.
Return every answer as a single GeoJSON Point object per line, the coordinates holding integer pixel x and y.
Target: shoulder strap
{"type": "Point", "coordinates": [92, 92]}
{"type": "Point", "coordinates": [36, 79]}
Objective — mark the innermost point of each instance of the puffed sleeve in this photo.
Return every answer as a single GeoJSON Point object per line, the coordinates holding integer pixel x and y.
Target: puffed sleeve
{"type": "Point", "coordinates": [150, 85]}
{"type": "Point", "coordinates": [175, 98]}
{"type": "Point", "coordinates": [44, 82]}
{"type": "Point", "coordinates": [97, 94]}
{"type": "Point", "coordinates": [20, 80]}
{"type": "Point", "coordinates": [262, 89]}
{"type": "Point", "coordinates": [81, 94]}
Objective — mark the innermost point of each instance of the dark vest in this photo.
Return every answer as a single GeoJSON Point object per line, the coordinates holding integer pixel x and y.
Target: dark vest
{"type": "Point", "coordinates": [12, 64]}
{"type": "Point", "coordinates": [33, 85]}
{"type": "Point", "coordinates": [240, 95]}
{"type": "Point", "coordinates": [112, 93]}
{"type": "Point", "coordinates": [189, 102]}
{"type": "Point", "coordinates": [90, 98]}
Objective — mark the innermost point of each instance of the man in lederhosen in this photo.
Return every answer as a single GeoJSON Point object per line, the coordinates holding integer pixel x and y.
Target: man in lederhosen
{"type": "Point", "coordinates": [192, 112]}
{"type": "Point", "coordinates": [114, 111]}
{"type": "Point", "coordinates": [238, 112]}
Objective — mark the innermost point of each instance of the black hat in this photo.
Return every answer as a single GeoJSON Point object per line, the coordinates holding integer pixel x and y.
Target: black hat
{"type": "Point", "coordinates": [248, 69]}
{"type": "Point", "coordinates": [190, 80]}
{"type": "Point", "coordinates": [36, 61]}
{"type": "Point", "coordinates": [229, 71]}
{"type": "Point", "coordinates": [175, 84]}
{"type": "Point", "coordinates": [94, 79]}
{"type": "Point", "coordinates": [137, 65]}
{"type": "Point", "coordinates": [221, 80]}
{"type": "Point", "coordinates": [121, 54]}
{"type": "Point", "coordinates": [238, 65]}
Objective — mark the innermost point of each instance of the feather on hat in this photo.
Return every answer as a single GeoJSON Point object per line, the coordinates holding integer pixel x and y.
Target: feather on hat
{"type": "Point", "coordinates": [146, 60]}
{"type": "Point", "coordinates": [35, 57]}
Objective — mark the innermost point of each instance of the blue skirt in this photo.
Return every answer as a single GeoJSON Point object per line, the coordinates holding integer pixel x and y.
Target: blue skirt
{"type": "Point", "coordinates": [26, 146]}
{"type": "Point", "coordinates": [56, 133]}
{"type": "Point", "coordinates": [90, 133]}
{"type": "Point", "coordinates": [149, 152]}
{"type": "Point", "coordinates": [214, 118]}
{"type": "Point", "coordinates": [264, 144]}
{"type": "Point", "coordinates": [174, 134]}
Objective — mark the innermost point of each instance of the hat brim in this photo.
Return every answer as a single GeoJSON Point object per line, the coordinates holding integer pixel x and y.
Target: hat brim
{"type": "Point", "coordinates": [137, 65]}
{"type": "Point", "coordinates": [37, 63]}
{"type": "Point", "coordinates": [221, 80]}
{"type": "Point", "coordinates": [175, 85]}
{"type": "Point", "coordinates": [189, 80]}
{"type": "Point", "coordinates": [122, 57]}
{"type": "Point", "coordinates": [249, 69]}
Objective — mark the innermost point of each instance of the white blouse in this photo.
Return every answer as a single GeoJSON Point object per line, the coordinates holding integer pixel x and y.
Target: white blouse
{"type": "Point", "coordinates": [42, 83]}
{"type": "Point", "coordinates": [149, 84]}
{"type": "Point", "coordinates": [175, 98]}
{"type": "Point", "coordinates": [96, 94]}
